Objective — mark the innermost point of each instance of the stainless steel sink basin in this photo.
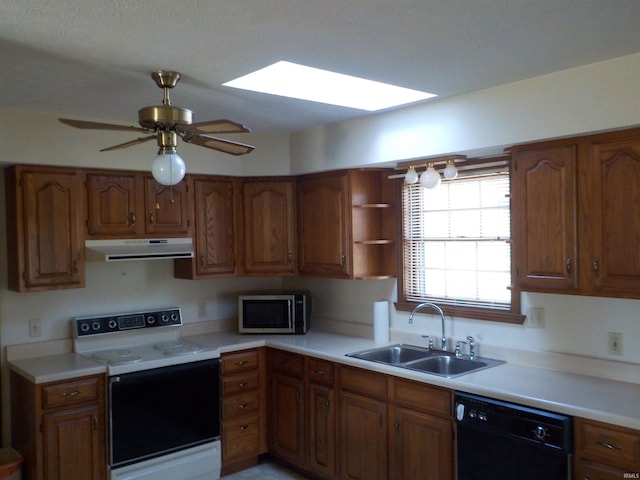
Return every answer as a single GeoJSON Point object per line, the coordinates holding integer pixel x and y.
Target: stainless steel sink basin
{"type": "Point", "coordinates": [393, 354]}
{"type": "Point", "coordinates": [436, 362]}
{"type": "Point", "coordinates": [451, 366]}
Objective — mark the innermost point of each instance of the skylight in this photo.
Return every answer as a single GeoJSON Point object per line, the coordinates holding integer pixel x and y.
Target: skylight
{"type": "Point", "coordinates": [307, 83]}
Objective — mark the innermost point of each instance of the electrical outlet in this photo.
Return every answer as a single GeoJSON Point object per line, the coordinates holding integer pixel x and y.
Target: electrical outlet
{"type": "Point", "coordinates": [35, 328]}
{"type": "Point", "coordinates": [202, 310]}
{"type": "Point", "coordinates": [615, 343]}
{"type": "Point", "coordinates": [535, 317]}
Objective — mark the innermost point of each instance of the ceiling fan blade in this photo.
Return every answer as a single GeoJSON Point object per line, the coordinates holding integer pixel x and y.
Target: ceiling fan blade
{"type": "Point", "coordinates": [99, 126]}
{"type": "Point", "coordinates": [129, 144]}
{"type": "Point", "coordinates": [214, 126]}
{"type": "Point", "coordinates": [225, 146]}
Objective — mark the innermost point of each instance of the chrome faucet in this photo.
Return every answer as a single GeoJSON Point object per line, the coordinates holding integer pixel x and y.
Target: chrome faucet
{"type": "Point", "coordinates": [437, 309]}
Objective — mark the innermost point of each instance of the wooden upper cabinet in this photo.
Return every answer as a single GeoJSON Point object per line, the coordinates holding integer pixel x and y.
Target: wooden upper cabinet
{"type": "Point", "coordinates": [323, 224]}
{"type": "Point", "coordinates": [126, 204]}
{"type": "Point", "coordinates": [544, 217]}
{"type": "Point", "coordinates": [44, 241]}
{"type": "Point", "coordinates": [268, 226]}
{"type": "Point", "coordinates": [575, 225]}
{"type": "Point", "coordinates": [215, 229]}
{"type": "Point", "coordinates": [611, 224]}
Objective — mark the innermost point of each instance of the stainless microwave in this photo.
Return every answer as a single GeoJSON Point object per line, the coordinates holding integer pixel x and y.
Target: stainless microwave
{"type": "Point", "coordinates": [283, 312]}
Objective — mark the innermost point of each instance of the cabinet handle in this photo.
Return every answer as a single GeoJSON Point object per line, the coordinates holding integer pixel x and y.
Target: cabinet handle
{"type": "Point", "coordinates": [297, 395]}
{"type": "Point", "coordinates": [95, 423]}
{"type": "Point", "coordinates": [202, 260]}
{"type": "Point", "coordinates": [380, 419]}
{"type": "Point", "coordinates": [289, 257]}
{"type": "Point", "coordinates": [152, 218]}
{"type": "Point", "coordinates": [243, 406]}
{"type": "Point", "coordinates": [608, 446]}
{"type": "Point", "coordinates": [243, 384]}
{"type": "Point", "coordinates": [327, 404]}
{"type": "Point", "coordinates": [319, 372]}
{"type": "Point", "coordinates": [568, 264]}
{"type": "Point", "coordinates": [132, 218]}
{"type": "Point", "coordinates": [596, 266]}
{"type": "Point", "coordinates": [75, 266]}
{"type": "Point", "coordinates": [75, 393]}
{"type": "Point", "coordinates": [242, 362]}
{"type": "Point", "coordinates": [343, 259]}
{"type": "Point", "coordinates": [397, 425]}
{"type": "Point", "coordinates": [243, 427]}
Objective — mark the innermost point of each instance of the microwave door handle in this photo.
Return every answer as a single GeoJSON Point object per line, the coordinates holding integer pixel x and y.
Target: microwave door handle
{"type": "Point", "coordinates": [290, 315]}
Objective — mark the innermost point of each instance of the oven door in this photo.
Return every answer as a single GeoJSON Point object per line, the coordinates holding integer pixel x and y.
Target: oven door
{"type": "Point", "coordinates": [163, 410]}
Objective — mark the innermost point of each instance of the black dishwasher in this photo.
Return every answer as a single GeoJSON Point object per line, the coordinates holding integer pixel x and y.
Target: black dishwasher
{"type": "Point", "coordinates": [496, 440]}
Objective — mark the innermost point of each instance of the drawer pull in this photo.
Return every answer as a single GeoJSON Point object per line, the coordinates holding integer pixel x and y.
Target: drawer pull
{"type": "Point", "coordinates": [243, 384]}
{"type": "Point", "coordinates": [74, 393]}
{"type": "Point", "coordinates": [243, 405]}
{"type": "Point", "coordinates": [320, 372]}
{"type": "Point", "coordinates": [608, 446]}
{"type": "Point", "coordinates": [242, 362]}
{"type": "Point", "coordinates": [243, 427]}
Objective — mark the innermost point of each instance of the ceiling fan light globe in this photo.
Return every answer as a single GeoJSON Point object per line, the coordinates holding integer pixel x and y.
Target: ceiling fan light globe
{"type": "Point", "coordinates": [168, 169]}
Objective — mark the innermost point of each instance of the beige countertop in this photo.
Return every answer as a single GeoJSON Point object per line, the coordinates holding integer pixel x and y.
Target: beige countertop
{"type": "Point", "coordinates": [595, 398]}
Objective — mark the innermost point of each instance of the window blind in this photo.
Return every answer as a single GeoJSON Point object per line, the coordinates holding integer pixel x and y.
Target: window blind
{"type": "Point", "coordinates": [456, 242]}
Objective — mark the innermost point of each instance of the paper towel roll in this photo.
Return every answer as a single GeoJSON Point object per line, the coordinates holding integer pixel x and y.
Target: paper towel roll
{"type": "Point", "coordinates": [381, 321]}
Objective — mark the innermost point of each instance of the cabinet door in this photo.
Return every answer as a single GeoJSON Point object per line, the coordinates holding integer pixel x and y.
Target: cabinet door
{"type": "Point", "coordinates": [112, 204]}
{"type": "Point", "coordinates": [286, 428]}
{"type": "Point", "coordinates": [544, 218]}
{"type": "Point", "coordinates": [322, 430]}
{"type": "Point", "coordinates": [73, 445]}
{"type": "Point", "coordinates": [268, 235]}
{"type": "Point", "coordinates": [215, 226]}
{"type": "Point", "coordinates": [421, 446]}
{"type": "Point", "coordinates": [363, 438]}
{"type": "Point", "coordinates": [610, 186]}
{"type": "Point", "coordinates": [323, 225]}
{"type": "Point", "coordinates": [53, 250]}
{"type": "Point", "coordinates": [586, 470]}
{"type": "Point", "coordinates": [166, 208]}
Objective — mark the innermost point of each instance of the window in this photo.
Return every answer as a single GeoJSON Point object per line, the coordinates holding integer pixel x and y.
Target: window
{"type": "Point", "coordinates": [456, 248]}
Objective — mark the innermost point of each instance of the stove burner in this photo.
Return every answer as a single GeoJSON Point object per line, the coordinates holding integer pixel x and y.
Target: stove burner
{"type": "Point", "coordinates": [178, 347]}
{"type": "Point", "coordinates": [117, 357]}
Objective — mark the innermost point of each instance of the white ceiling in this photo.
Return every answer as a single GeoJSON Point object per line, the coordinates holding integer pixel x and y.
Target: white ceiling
{"type": "Point", "coordinates": [90, 59]}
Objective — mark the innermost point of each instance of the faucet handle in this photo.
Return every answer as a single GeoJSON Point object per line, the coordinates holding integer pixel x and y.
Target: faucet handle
{"type": "Point", "coordinates": [430, 340]}
{"type": "Point", "coordinates": [458, 346]}
{"type": "Point", "coordinates": [472, 347]}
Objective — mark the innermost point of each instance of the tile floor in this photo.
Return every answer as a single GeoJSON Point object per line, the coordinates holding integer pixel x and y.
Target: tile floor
{"type": "Point", "coordinates": [265, 471]}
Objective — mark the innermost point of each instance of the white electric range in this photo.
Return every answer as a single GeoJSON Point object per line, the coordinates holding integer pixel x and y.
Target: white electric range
{"type": "Point", "coordinates": [163, 395]}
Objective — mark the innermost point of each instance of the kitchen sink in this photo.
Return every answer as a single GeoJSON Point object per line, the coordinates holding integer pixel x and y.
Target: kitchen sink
{"type": "Point", "coordinates": [393, 354]}
{"type": "Point", "coordinates": [436, 362]}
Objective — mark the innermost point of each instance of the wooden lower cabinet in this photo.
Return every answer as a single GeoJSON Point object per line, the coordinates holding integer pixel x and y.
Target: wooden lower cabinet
{"type": "Point", "coordinates": [60, 428]}
{"type": "Point", "coordinates": [243, 408]}
{"type": "Point", "coordinates": [605, 452]}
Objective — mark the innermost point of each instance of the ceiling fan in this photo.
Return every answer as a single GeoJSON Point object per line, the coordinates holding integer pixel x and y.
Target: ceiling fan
{"type": "Point", "coordinates": [166, 122]}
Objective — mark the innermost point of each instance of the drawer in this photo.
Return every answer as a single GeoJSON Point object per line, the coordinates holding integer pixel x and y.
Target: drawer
{"type": "Point", "coordinates": [320, 371]}
{"type": "Point", "coordinates": [240, 438]}
{"type": "Point", "coordinates": [288, 363]}
{"type": "Point", "coordinates": [240, 382]}
{"type": "Point", "coordinates": [608, 443]}
{"type": "Point", "coordinates": [70, 393]}
{"type": "Point", "coordinates": [417, 396]}
{"type": "Point", "coordinates": [238, 362]}
{"type": "Point", "coordinates": [240, 404]}
{"type": "Point", "coordinates": [364, 382]}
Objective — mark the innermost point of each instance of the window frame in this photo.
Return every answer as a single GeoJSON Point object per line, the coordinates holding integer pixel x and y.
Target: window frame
{"type": "Point", "coordinates": [512, 316]}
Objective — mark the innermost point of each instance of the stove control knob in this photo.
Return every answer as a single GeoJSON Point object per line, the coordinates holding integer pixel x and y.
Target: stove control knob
{"type": "Point", "coordinates": [95, 326]}
{"type": "Point", "coordinates": [174, 317]}
{"type": "Point", "coordinates": [84, 327]}
{"type": "Point", "coordinates": [165, 318]}
{"type": "Point", "coordinates": [113, 324]}
{"type": "Point", "coordinates": [540, 432]}
{"type": "Point", "coordinates": [151, 319]}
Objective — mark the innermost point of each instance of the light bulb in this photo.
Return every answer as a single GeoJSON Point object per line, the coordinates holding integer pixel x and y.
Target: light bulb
{"type": "Point", "coordinates": [168, 168]}
{"type": "Point", "coordinates": [411, 176]}
{"type": "Point", "coordinates": [430, 178]}
{"type": "Point", "coordinates": [450, 171]}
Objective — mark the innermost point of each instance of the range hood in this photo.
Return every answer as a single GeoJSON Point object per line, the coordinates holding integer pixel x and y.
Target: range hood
{"type": "Point", "coordinates": [138, 249]}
